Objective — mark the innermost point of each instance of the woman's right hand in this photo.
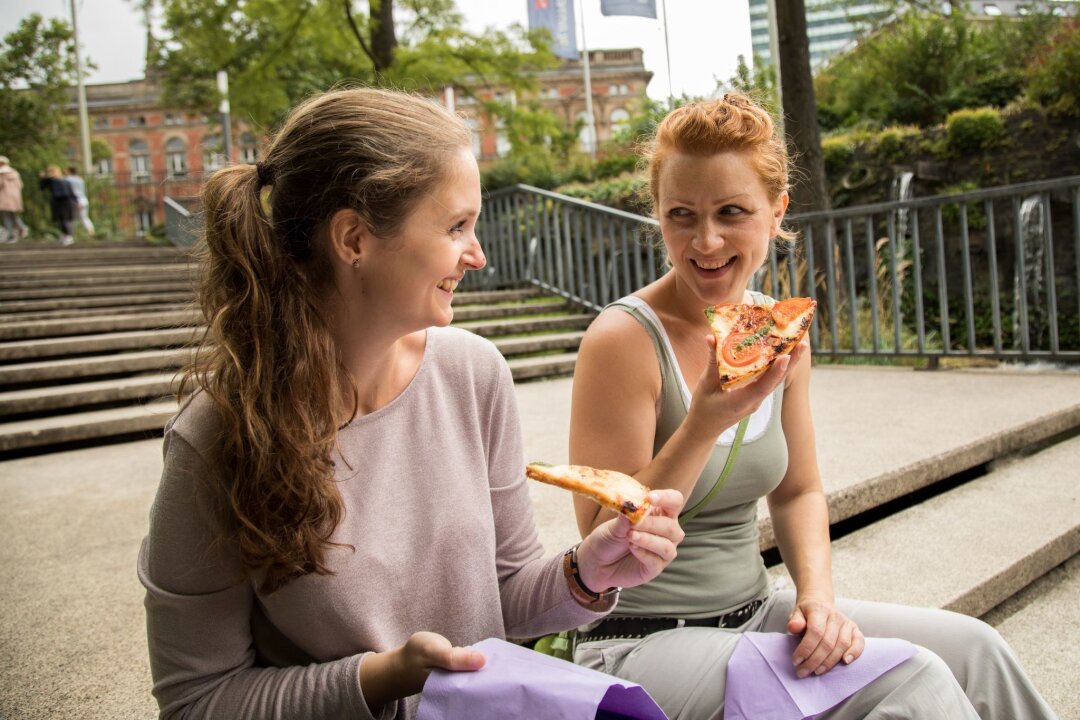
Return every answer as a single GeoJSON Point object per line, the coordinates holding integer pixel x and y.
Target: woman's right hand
{"type": "Point", "coordinates": [398, 673]}
{"type": "Point", "coordinates": [713, 410]}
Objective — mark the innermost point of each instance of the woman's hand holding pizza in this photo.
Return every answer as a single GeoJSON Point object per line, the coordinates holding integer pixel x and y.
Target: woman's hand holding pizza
{"type": "Point", "coordinates": [713, 410]}
{"type": "Point", "coordinates": [829, 636]}
{"type": "Point", "coordinates": [618, 554]}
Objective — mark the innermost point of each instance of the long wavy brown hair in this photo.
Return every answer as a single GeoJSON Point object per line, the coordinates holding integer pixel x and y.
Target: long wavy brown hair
{"type": "Point", "coordinates": [268, 360]}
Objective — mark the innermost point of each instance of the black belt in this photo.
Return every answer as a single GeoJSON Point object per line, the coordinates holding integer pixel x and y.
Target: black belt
{"type": "Point", "coordinates": [638, 627]}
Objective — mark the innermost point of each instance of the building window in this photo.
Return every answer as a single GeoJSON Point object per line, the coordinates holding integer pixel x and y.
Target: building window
{"type": "Point", "coordinates": [144, 219]}
{"type": "Point", "coordinates": [175, 157]}
{"type": "Point", "coordinates": [502, 141]}
{"type": "Point", "coordinates": [140, 161]}
{"type": "Point", "coordinates": [474, 134]}
{"type": "Point", "coordinates": [100, 123]}
{"type": "Point", "coordinates": [587, 135]}
{"type": "Point", "coordinates": [249, 151]}
{"type": "Point", "coordinates": [212, 155]}
{"type": "Point", "coordinates": [991, 9]}
{"type": "Point", "coordinates": [619, 119]}
{"type": "Point", "coordinates": [103, 167]}
{"type": "Point", "coordinates": [136, 121]}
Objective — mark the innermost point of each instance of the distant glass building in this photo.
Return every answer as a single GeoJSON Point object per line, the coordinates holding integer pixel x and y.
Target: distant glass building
{"type": "Point", "coordinates": [832, 26]}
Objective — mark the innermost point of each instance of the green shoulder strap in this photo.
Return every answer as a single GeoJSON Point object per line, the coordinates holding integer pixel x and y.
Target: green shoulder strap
{"type": "Point", "coordinates": [732, 454]}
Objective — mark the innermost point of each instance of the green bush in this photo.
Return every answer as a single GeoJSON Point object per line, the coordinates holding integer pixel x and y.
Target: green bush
{"type": "Point", "coordinates": [973, 131]}
{"type": "Point", "coordinates": [624, 192]}
{"type": "Point", "coordinates": [838, 152]}
{"type": "Point", "coordinates": [893, 143]}
{"type": "Point", "coordinates": [1053, 75]}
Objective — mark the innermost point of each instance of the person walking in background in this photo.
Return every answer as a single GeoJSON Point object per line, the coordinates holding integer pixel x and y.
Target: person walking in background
{"type": "Point", "coordinates": [61, 203]}
{"type": "Point", "coordinates": [82, 202]}
{"type": "Point", "coordinates": [11, 204]}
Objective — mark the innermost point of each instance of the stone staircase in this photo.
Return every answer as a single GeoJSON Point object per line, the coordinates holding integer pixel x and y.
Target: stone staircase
{"type": "Point", "coordinates": [91, 340]}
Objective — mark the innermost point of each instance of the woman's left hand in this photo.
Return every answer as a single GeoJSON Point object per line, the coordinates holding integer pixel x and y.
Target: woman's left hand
{"type": "Point", "coordinates": [618, 554]}
{"type": "Point", "coordinates": [829, 636]}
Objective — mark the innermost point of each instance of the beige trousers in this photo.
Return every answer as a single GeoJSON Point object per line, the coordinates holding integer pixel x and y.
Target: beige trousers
{"type": "Point", "coordinates": [964, 668]}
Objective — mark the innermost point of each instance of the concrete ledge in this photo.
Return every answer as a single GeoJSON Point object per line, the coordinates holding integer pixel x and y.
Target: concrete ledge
{"type": "Point", "coordinates": [60, 271]}
{"type": "Point", "coordinates": [972, 547]}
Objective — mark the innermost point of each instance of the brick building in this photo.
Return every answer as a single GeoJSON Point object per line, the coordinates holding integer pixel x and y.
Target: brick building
{"type": "Point", "coordinates": [155, 151]}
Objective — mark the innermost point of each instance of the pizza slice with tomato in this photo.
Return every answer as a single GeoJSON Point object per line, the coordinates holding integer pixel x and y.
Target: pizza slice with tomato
{"type": "Point", "coordinates": [750, 337]}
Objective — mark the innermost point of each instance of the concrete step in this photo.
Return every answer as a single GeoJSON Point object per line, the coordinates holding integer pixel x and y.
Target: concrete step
{"type": "Point", "coordinates": [76, 313]}
{"type": "Point", "coordinates": [57, 278]}
{"type": "Point", "coordinates": [65, 397]}
{"type": "Point", "coordinates": [974, 546]}
{"type": "Point", "coordinates": [1050, 658]}
{"type": "Point", "coordinates": [20, 330]}
{"type": "Point", "coordinates": [481, 312]}
{"type": "Point", "coordinates": [88, 255]}
{"type": "Point", "coordinates": [542, 366]}
{"type": "Point", "coordinates": [521, 326]}
{"type": "Point", "coordinates": [539, 343]}
{"type": "Point", "coordinates": [95, 424]}
{"type": "Point", "coordinates": [38, 349]}
{"type": "Point", "coordinates": [14, 307]}
{"type": "Point", "coordinates": [67, 369]}
{"type": "Point", "coordinates": [35, 291]}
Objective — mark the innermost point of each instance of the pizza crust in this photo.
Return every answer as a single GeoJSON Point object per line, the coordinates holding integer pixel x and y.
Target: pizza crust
{"type": "Point", "coordinates": [609, 488]}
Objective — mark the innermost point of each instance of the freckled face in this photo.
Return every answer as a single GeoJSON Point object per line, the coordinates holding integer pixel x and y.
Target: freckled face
{"type": "Point", "coordinates": [418, 270]}
{"type": "Point", "coordinates": [717, 219]}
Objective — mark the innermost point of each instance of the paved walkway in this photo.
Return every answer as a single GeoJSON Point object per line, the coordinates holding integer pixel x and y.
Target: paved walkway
{"type": "Point", "coordinates": [72, 639]}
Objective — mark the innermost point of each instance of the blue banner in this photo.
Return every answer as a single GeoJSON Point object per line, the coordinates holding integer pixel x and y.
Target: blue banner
{"type": "Point", "coordinates": [640, 8]}
{"type": "Point", "coordinates": [557, 16]}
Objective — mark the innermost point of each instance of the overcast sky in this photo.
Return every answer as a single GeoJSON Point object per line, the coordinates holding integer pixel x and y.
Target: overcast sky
{"type": "Point", "coordinates": [705, 36]}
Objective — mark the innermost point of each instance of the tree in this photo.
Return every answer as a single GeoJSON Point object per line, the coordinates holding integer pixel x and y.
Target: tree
{"type": "Point", "coordinates": [757, 82]}
{"type": "Point", "coordinates": [278, 52]}
{"type": "Point", "coordinates": [923, 66]}
{"type": "Point", "coordinates": [37, 70]}
{"type": "Point", "coordinates": [809, 192]}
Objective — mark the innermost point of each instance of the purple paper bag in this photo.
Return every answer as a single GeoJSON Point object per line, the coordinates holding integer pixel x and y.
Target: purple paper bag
{"type": "Point", "coordinates": [519, 682]}
{"type": "Point", "coordinates": [761, 679]}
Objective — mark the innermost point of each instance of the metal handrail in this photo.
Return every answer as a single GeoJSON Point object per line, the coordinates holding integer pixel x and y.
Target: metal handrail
{"type": "Point", "coordinates": [965, 274]}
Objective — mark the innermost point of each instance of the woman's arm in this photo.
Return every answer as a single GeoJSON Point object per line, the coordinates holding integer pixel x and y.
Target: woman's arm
{"type": "Point", "coordinates": [800, 518]}
{"type": "Point", "coordinates": [613, 417]}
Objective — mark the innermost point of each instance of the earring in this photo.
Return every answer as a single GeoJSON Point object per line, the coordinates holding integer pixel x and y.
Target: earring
{"type": "Point", "coordinates": [356, 262]}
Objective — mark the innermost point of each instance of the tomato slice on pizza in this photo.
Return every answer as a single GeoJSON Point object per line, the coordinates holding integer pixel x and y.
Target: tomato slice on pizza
{"type": "Point", "coordinates": [749, 338]}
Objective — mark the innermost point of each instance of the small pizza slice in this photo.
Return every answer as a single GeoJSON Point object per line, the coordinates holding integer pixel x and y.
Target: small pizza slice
{"type": "Point", "coordinates": [611, 489]}
{"type": "Point", "coordinates": [749, 338]}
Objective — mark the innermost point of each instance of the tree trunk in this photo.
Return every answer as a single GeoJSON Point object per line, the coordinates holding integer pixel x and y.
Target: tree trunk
{"type": "Point", "coordinates": [383, 36]}
{"type": "Point", "coordinates": [810, 191]}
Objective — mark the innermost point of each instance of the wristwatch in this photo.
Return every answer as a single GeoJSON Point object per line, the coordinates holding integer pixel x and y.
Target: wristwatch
{"type": "Point", "coordinates": [579, 589]}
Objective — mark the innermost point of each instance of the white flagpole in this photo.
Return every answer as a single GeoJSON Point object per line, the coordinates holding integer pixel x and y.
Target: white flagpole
{"type": "Point", "coordinates": [667, 58]}
{"type": "Point", "coordinates": [590, 122]}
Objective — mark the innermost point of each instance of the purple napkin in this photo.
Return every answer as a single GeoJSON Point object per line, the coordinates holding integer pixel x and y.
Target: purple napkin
{"type": "Point", "coordinates": [761, 680]}
{"type": "Point", "coordinates": [519, 682]}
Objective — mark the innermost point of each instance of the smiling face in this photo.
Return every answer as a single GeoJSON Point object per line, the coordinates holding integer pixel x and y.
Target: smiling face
{"type": "Point", "coordinates": [717, 219]}
{"type": "Point", "coordinates": [412, 275]}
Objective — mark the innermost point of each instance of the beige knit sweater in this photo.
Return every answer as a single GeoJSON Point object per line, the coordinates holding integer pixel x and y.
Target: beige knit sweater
{"type": "Point", "coordinates": [442, 525]}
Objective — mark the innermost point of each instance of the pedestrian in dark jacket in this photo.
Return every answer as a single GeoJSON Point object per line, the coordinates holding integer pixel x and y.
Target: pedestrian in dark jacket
{"type": "Point", "coordinates": [61, 202]}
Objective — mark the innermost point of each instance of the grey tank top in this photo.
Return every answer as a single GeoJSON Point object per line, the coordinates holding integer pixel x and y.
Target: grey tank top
{"type": "Point", "coordinates": [719, 566]}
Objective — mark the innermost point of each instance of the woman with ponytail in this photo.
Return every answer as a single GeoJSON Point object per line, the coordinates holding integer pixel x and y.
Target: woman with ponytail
{"type": "Point", "coordinates": [343, 505]}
